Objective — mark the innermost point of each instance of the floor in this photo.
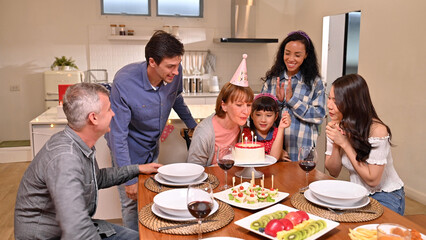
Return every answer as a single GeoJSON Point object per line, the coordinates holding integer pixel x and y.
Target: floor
{"type": "Point", "coordinates": [11, 173]}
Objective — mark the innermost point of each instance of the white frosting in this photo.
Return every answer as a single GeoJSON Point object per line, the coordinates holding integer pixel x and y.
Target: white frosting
{"type": "Point", "coordinates": [249, 152]}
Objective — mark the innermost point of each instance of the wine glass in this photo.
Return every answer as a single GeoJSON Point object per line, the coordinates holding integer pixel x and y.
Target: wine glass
{"type": "Point", "coordinates": [307, 161]}
{"type": "Point", "coordinates": [200, 202]}
{"type": "Point", "coordinates": [225, 161]}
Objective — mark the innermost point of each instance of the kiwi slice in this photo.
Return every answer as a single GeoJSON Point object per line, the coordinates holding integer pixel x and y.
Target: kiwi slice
{"type": "Point", "coordinates": [276, 215]}
{"type": "Point", "coordinates": [322, 224]}
{"type": "Point", "coordinates": [293, 235]}
{"type": "Point", "coordinates": [304, 233]}
{"type": "Point", "coordinates": [314, 226]}
{"type": "Point", "coordinates": [256, 225]}
{"type": "Point", "coordinates": [310, 230]}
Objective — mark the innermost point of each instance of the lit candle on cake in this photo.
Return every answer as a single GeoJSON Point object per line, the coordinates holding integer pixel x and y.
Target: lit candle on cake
{"type": "Point", "coordinates": [252, 136]}
{"type": "Point", "coordinates": [246, 139]}
{"type": "Point", "coordinates": [255, 139]}
{"type": "Point", "coordinates": [242, 139]}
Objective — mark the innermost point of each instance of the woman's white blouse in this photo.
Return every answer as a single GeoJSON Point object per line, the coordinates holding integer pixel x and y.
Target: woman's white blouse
{"type": "Point", "coordinates": [380, 155]}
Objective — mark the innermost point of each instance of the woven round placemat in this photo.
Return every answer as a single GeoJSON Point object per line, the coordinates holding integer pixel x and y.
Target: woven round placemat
{"type": "Point", "coordinates": [223, 216]}
{"type": "Point", "coordinates": [151, 185]}
{"type": "Point", "coordinates": [299, 201]}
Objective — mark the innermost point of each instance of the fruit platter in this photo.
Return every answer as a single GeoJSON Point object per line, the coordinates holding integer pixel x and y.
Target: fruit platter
{"type": "Point", "coordinates": [250, 196]}
{"type": "Point", "coordinates": [282, 222]}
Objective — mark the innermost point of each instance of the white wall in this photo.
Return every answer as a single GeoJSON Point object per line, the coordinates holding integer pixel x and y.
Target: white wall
{"type": "Point", "coordinates": [392, 60]}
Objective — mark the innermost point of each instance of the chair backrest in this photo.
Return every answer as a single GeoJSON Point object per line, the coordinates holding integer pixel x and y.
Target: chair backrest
{"type": "Point", "coordinates": [186, 133]}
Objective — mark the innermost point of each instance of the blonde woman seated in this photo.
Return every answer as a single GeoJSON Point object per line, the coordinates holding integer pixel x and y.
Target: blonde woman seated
{"type": "Point", "coordinates": [233, 107]}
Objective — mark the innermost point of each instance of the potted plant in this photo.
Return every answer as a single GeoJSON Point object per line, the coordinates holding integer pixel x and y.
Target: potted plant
{"type": "Point", "coordinates": [63, 63]}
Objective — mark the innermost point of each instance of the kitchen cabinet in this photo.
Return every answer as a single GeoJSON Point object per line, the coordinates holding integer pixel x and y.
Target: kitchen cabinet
{"type": "Point", "coordinates": [200, 98]}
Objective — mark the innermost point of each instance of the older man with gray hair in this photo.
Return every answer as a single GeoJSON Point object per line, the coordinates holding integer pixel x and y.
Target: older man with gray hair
{"type": "Point", "coordinates": [58, 193]}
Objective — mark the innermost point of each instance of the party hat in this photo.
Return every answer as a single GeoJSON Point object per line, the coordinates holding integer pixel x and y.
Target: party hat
{"type": "Point", "coordinates": [240, 76]}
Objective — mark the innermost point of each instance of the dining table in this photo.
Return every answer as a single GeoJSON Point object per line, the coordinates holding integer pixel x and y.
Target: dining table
{"type": "Point", "coordinates": [289, 178]}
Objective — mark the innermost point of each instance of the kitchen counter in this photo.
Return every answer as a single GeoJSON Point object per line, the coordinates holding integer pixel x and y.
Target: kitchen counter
{"type": "Point", "coordinates": [203, 94]}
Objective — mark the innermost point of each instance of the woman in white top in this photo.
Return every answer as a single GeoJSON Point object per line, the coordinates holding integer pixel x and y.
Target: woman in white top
{"type": "Point", "coordinates": [358, 140]}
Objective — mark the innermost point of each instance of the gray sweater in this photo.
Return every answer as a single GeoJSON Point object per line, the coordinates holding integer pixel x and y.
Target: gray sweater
{"type": "Point", "coordinates": [201, 150]}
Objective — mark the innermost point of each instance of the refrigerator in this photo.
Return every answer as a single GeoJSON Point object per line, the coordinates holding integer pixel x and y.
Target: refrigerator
{"type": "Point", "coordinates": [52, 79]}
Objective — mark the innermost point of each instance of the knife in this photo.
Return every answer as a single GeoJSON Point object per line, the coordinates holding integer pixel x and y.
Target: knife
{"type": "Point", "coordinates": [183, 225]}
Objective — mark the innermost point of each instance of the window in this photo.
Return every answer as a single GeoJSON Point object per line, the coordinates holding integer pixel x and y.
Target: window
{"type": "Point", "coordinates": [181, 8]}
{"type": "Point", "coordinates": [126, 7]}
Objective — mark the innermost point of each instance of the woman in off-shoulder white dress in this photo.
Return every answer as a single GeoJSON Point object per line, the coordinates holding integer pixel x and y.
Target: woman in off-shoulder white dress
{"type": "Point", "coordinates": [358, 140]}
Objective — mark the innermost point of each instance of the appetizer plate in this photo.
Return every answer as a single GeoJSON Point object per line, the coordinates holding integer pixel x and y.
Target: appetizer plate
{"type": "Point", "coordinates": [245, 222]}
{"type": "Point", "coordinates": [223, 196]}
{"type": "Point", "coordinates": [311, 198]}
{"type": "Point", "coordinates": [157, 211]}
{"type": "Point", "coordinates": [269, 160]}
{"type": "Point", "coordinates": [374, 226]}
{"type": "Point", "coordinates": [159, 178]}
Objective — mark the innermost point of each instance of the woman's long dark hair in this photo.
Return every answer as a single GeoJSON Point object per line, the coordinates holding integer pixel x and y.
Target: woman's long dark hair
{"type": "Point", "coordinates": [309, 67]}
{"type": "Point", "coordinates": [352, 98]}
{"type": "Point", "coordinates": [265, 103]}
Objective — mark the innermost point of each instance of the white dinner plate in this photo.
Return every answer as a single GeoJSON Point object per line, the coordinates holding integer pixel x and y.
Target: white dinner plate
{"type": "Point", "coordinates": [223, 196]}
{"type": "Point", "coordinates": [245, 222]}
{"type": "Point", "coordinates": [269, 160]}
{"type": "Point", "coordinates": [374, 226]}
{"type": "Point", "coordinates": [157, 211]}
{"type": "Point", "coordinates": [161, 180]}
{"type": "Point", "coordinates": [311, 198]}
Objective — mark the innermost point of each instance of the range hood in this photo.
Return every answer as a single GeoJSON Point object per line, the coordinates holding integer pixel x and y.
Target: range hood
{"type": "Point", "coordinates": [243, 24]}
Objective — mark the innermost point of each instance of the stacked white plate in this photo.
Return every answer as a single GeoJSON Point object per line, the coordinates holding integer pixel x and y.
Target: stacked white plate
{"type": "Point", "coordinates": [180, 174]}
{"type": "Point", "coordinates": [337, 194]}
{"type": "Point", "coordinates": [172, 205]}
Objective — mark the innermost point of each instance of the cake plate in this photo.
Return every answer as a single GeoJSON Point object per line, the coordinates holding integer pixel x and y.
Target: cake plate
{"type": "Point", "coordinates": [250, 167]}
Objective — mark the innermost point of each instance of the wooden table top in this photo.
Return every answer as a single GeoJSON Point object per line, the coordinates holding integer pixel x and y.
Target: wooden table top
{"type": "Point", "coordinates": [288, 177]}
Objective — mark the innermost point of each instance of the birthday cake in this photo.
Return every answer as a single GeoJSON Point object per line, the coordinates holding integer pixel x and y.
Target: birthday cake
{"type": "Point", "coordinates": [249, 152]}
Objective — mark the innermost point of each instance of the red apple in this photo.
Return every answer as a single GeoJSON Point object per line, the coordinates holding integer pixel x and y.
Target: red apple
{"type": "Point", "coordinates": [288, 225]}
{"type": "Point", "coordinates": [303, 215]}
{"type": "Point", "coordinates": [273, 227]}
{"type": "Point", "coordinates": [294, 217]}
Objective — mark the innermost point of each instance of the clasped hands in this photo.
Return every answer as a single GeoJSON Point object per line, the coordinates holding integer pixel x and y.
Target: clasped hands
{"type": "Point", "coordinates": [335, 133]}
{"type": "Point", "coordinates": [284, 93]}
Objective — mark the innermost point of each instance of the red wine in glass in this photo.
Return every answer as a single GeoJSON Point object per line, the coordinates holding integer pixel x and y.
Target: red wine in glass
{"type": "Point", "coordinates": [307, 166]}
{"type": "Point", "coordinates": [225, 161]}
{"type": "Point", "coordinates": [226, 164]}
{"type": "Point", "coordinates": [200, 209]}
{"type": "Point", "coordinates": [200, 202]}
{"type": "Point", "coordinates": [307, 162]}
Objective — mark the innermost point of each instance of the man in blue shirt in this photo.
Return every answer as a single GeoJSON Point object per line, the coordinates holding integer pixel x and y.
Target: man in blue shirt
{"type": "Point", "coordinates": [142, 97]}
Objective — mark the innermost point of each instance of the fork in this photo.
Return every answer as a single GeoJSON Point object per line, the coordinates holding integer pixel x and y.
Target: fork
{"type": "Point", "coordinates": [340, 212]}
